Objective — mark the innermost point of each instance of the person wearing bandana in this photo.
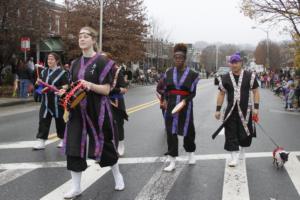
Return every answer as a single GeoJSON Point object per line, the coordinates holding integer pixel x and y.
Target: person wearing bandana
{"type": "Point", "coordinates": [238, 86]}
{"type": "Point", "coordinates": [91, 129]}
{"type": "Point", "coordinates": [55, 76]}
{"type": "Point", "coordinates": [180, 85]}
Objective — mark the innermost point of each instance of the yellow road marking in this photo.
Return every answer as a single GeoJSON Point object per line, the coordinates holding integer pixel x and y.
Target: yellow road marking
{"type": "Point", "coordinates": [144, 107]}
{"type": "Point", "coordinates": [141, 105]}
{"type": "Point", "coordinates": [53, 136]}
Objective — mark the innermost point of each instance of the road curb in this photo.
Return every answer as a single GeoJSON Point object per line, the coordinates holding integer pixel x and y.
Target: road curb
{"type": "Point", "coordinates": [16, 102]}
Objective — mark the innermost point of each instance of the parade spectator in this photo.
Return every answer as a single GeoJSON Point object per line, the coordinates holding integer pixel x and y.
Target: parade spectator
{"type": "Point", "coordinates": [25, 76]}
{"type": "Point", "coordinates": [30, 64]}
{"type": "Point", "coordinates": [290, 97]}
{"type": "Point", "coordinates": [14, 71]}
{"type": "Point", "coordinates": [262, 81]}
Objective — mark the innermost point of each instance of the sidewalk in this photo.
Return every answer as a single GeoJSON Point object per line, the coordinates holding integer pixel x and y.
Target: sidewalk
{"type": "Point", "coordinates": [5, 101]}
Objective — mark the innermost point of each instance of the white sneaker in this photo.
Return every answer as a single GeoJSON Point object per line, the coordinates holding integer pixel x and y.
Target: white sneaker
{"type": "Point", "coordinates": [75, 191]}
{"type": "Point", "coordinates": [60, 144]}
{"type": "Point", "coordinates": [192, 159]}
{"type": "Point", "coordinates": [171, 166]}
{"type": "Point", "coordinates": [242, 153]}
{"type": "Point", "coordinates": [72, 194]}
{"type": "Point", "coordinates": [234, 159]}
{"type": "Point", "coordinates": [119, 181]}
{"type": "Point", "coordinates": [121, 148]}
{"type": "Point", "coordinates": [40, 144]}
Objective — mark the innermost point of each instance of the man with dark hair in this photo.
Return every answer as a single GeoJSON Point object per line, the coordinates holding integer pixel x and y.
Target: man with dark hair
{"type": "Point", "coordinates": [180, 84]}
{"type": "Point", "coordinates": [239, 128]}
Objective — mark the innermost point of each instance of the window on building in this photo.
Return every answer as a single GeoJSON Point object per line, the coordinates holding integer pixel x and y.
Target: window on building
{"type": "Point", "coordinates": [57, 24]}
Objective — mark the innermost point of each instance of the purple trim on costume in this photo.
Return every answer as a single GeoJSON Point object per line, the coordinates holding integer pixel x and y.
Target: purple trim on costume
{"type": "Point", "coordinates": [110, 115]}
{"type": "Point", "coordinates": [97, 145]}
{"type": "Point", "coordinates": [187, 120]}
{"type": "Point", "coordinates": [84, 66]}
{"type": "Point", "coordinates": [105, 71]}
{"type": "Point", "coordinates": [100, 124]}
{"type": "Point", "coordinates": [83, 103]}
{"type": "Point", "coordinates": [175, 117]}
{"type": "Point", "coordinates": [178, 86]}
{"type": "Point", "coordinates": [64, 148]}
{"type": "Point", "coordinates": [84, 130]}
{"type": "Point", "coordinates": [182, 79]}
{"type": "Point", "coordinates": [194, 84]}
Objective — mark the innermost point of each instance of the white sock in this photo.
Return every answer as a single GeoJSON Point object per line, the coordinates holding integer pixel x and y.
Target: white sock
{"type": "Point", "coordinates": [234, 159]}
{"type": "Point", "coordinates": [75, 190]}
{"type": "Point", "coordinates": [76, 180]}
{"type": "Point", "coordinates": [121, 148]}
{"type": "Point", "coordinates": [242, 153]}
{"type": "Point", "coordinates": [192, 159]}
{"type": "Point", "coordinates": [119, 181]}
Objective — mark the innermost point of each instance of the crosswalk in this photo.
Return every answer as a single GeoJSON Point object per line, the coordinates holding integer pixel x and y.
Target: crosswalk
{"type": "Point", "coordinates": [159, 185]}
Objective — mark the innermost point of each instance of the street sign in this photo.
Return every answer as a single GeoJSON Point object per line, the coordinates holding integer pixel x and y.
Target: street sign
{"type": "Point", "coordinates": [25, 44]}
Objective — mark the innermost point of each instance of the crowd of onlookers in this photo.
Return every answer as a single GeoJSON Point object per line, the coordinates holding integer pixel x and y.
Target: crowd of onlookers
{"type": "Point", "coordinates": [26, 73]}
{"type": "Point", "coordinates": [284, 84]}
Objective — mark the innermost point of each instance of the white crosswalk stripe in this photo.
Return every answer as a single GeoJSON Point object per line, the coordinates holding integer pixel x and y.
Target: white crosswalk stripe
{"type": "Point", "coordinates": [24, 144]}
{"type": "Point", "coordinates": [293, 169]}
{"type": "Point", "coordinates": [235, 186]}
{"type": "Point", "coordinates": [90, 176]}
{"type": "Point", "coordinates": [159, 185]}
{"type": "Point", "coordinates": [235, 183]}
{"type": "Point", "coordinates": [12, 174]}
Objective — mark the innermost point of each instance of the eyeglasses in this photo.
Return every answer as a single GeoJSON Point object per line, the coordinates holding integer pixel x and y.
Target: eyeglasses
{"type": "Point", "coordinates": [179, 57]}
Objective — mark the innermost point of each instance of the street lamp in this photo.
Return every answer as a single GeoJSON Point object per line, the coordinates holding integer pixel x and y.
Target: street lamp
{"type": "Point", "coordinates": [217, 57]}
{"type": "Point", "coordinates": [101, 26]}
{"type": "Point", "coordinates": [268, 43]}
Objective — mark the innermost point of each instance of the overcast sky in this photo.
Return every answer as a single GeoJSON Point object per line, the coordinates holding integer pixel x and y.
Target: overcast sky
{"type": "Point", "coordinates": [206, 20]}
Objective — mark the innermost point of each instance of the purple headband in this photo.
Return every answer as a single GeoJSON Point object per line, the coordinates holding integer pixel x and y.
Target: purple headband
{"type": "Point", "coordinates": [235, 58]}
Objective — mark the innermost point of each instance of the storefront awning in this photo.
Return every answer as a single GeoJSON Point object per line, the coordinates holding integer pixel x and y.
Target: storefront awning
{"type": "Point", "coordinates": [51, 45]}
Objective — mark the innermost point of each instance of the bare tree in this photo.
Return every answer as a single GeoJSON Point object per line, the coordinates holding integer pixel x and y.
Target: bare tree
{"type": "Point", "coordinates": [261, 54]}
{"type": "Point", "coordinates": [274, 12]}
{"type": "Point", "coordinates": [18, 19]}
{"type": "Point", "coordinates": [124, 26]}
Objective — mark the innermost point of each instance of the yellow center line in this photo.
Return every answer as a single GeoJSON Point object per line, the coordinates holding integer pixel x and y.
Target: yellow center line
{"type": "Point", "coordinates": [53, 136]}
{"type": "Point", "coordinates": [141, 105]}
{"type": "Point", "coordinates": [142, 108]}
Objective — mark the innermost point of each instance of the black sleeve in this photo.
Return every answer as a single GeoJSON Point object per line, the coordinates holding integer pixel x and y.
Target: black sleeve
{"type": "Point", "coordinates": [64, 80]}
{"type": "Point", "coordinates": [255, 84]}
{"type": "Point", "coordinates": [108, 78]}
{"type": "Point", "coordinates": [120, 83]}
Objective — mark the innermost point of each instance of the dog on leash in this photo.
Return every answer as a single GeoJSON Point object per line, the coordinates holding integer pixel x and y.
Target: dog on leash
{"type": "Point", "coordinates": [280, 157]}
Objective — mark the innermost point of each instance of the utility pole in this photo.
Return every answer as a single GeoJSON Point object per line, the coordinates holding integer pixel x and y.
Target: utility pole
{"type": "Point", "coordinates": [217, 57]}
{"type": "Point", "coordinates": [101, 26]}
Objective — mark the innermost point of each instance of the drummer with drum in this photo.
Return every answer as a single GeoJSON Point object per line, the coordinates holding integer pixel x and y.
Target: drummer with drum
{"type": "Point", "coordinates": [51, 79]}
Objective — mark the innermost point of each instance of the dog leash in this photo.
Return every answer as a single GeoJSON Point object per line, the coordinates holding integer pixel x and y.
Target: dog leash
{"type": "Point", "coordinates": [266, 134]}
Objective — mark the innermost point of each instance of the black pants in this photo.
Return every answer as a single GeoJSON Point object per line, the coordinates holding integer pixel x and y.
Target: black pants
{"type": "Point", "coordinates": [235, 134]}
{"type": "Point", "coordinates": [120, 125]}
{"type": "Point", "coordinates": [188, 143]}
{"type": "Point", "coordinates": [109, 157]}
{"type": "Point", "coordinates": [44, 127]}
